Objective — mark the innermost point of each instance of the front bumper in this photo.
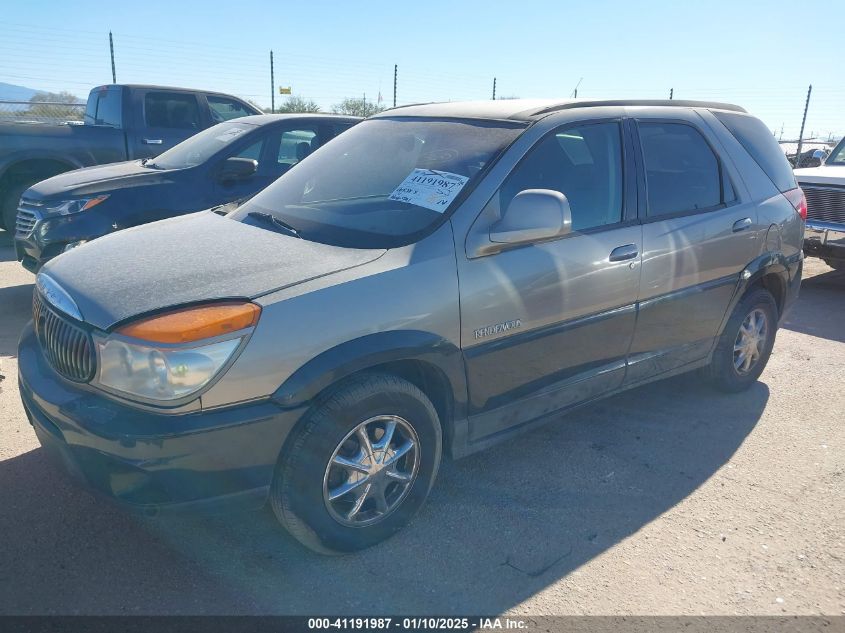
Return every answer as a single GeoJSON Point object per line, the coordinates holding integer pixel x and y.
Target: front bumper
{"type": "Point", "coordinates": [825, 240]}
{"type": "Point", "coordinates": [148, 460]}
{"type": "Point", "coordinates": [50, 236]}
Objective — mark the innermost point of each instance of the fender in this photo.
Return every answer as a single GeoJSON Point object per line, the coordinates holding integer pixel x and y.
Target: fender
{"type": "Point", "coordinates": [786, 268]}
{"type": "Point", "coordinates": [370, 351]}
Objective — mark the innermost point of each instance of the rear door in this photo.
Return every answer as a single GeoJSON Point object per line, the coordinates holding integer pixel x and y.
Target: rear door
{"type": "Point", "coordinates": [548, 324]}
{"type": "Point", "coordinates": [163, 119]}
{"type": "Point", "coordinates": [698, 235]}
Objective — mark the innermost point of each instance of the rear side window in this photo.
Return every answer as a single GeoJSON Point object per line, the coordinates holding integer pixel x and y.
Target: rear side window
{"type": "Point", "coordinates": [171, 110]}
{"type": "Point", "coordinates": [104, 107]}
{"type": "Point", "coordinates": [223, 109]}
{"type": "Point", "coordinates": [760, 143]}
{"type": "Point", "coordinates": [682, 172]}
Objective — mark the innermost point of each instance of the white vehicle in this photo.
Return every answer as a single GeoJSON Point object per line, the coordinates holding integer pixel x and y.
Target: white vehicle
{"type": "Point", "coordinates": [824, 187]}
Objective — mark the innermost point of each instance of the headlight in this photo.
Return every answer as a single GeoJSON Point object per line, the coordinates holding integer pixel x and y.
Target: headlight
{"type": "Point", "coordinates": [173, 355]}
{"type": "Point", "coordinates": [68, 207]}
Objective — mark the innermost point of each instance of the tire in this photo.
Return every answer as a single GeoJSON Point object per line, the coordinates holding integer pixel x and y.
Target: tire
{"type": "Point", "coordinates": [730, 370]}
{"type": "Point", "coordinates": [304, 481]}
{"type": "Point", "coordinates": [10, 205]}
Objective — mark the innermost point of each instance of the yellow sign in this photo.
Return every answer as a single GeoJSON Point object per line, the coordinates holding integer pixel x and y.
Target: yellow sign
{"type": "Point", "coordinates": [284, 91]}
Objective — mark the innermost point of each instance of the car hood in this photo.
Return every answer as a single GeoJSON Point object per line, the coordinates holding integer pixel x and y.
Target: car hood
{"type": "Point", "coordinates": [99, 179]}
{"type": "Point", "coordinates": [188, 259]}
{"type": "Point", "coordinates": [824, 175]}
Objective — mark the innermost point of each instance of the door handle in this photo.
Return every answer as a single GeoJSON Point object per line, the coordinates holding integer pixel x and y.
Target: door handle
{"type": "Point", "coordinates": [623, 253]}
{"type": "Point", "coordinates": [152, 141]}
{"type": "Point", "coordinates": [741, 225]}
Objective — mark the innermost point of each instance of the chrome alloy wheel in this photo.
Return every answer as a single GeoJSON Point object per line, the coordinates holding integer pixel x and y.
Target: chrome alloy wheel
{"type": "Point", "coordinates": [750, 341]}
{"type": "Point", "coordinates": [371, 471]}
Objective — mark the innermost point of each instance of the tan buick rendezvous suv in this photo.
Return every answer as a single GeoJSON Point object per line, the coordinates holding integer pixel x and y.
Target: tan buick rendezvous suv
{"type": "Point", "coordinates": [433, 281]}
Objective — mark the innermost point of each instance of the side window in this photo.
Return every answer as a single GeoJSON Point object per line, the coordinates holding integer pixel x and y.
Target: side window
{"type": "Point", "coordinates": [223, 109]}
{"type": "Point", "coordinates": [296, 145]}
{"type": "Point", "coordinates": [253, 151]}
{"type": "Point", "coordinates": [171, 110]}
{"type": "Point", "coordinates": [682, 172]}
{"type": "Point", "coordinates": [104, 108]}
{"type": "Point", "coordinates": [583, 163]}
{"type": "Point", "coordinates": [758, 141]}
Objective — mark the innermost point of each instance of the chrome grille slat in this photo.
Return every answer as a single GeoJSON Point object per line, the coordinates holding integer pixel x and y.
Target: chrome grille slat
{"type": "Point", "coordinates": [825, 203]}
{"type": "Point", "coordinates": [25, 222]}
{"type": "Point", "coordinates": [67, 347]}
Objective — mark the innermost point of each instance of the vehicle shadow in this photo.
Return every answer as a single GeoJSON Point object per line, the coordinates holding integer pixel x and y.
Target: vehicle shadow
{"type": "Point", "coordinates": [818, 311]}
{"type": "Point", "coordinates": [500, 525]}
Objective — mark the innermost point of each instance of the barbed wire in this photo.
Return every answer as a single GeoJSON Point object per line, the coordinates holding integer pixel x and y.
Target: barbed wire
{"type": "Point", "coordinates": [31, 52]}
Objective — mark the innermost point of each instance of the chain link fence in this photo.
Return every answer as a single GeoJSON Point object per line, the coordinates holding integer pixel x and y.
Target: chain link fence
{"type": "Point", "coordinates": [41, 111]}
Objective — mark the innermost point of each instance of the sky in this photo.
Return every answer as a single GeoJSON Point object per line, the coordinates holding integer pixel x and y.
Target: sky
{"type": "Point", "coordinates": [760, 55]}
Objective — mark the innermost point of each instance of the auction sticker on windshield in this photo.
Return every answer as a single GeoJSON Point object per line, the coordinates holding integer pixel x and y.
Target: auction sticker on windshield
{"type": "Point", "coordinates": [231, 134]}
{"type": "Point", "coordinates": [429, 188]}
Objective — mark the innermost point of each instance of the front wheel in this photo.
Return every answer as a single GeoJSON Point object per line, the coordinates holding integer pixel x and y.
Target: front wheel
{"type": "Point", "coordinates": [360, 466]}
{"type": "Point", "coordinates": [746, 343]}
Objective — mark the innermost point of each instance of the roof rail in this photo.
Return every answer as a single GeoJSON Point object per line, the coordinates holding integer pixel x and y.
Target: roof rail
{"type": "Point", "coordinates": [678, 103]}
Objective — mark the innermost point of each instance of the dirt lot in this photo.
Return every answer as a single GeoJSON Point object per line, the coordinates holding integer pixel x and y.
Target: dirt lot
{"type": "Point", "coordinates": [670, 499]}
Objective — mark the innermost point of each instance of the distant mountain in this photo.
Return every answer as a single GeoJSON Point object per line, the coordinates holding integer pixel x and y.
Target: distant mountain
{"type": "Point", "coordinates": [11, 92]}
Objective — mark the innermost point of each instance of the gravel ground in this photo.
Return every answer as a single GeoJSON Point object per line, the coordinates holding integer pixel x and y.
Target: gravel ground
{"type": "Point", "coordinates": [669, 499]}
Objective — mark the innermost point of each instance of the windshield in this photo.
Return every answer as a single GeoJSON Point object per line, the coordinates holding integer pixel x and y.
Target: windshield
{"type": "Point", "coordinates": [837, 156]}
{"type": "Point", "coordinates": [200, 147]}
{"type": "Point", "coordinates": [383, 182]}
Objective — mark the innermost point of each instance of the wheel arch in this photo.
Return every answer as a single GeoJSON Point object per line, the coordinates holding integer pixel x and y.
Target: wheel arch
{"type": "Point", "coordinates": [34, 164]}
{"type": "Point", "coordinates": [770, 271]}
{"type": "Point", "coordinates": [426, 360]}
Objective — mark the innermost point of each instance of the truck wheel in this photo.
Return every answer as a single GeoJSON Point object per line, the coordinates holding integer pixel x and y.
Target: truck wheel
{"type": "Point", "coordinates": [10, 205]}
{"type": "Point", "coordinates": [360, 466]}
{"type": "Point", "coordinates": [746, 343]}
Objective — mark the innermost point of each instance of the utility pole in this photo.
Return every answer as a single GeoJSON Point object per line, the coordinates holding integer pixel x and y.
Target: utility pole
{"type": "Point", "coordinates": [395, 76]}
{"type": "Point", "coordinates": [272, 86]}
{"type": "Point", "coordinates": [801, 133]}
{"type": "Point", "coordinates": [111, 50]}
{"type": "Point", "coordinates": [494, 88]}
{"type": "Point", "coordinates": [671, 93]}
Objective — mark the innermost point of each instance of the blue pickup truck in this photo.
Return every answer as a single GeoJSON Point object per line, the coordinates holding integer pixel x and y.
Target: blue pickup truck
{"type": "Point", "coordinates": [122, 122]}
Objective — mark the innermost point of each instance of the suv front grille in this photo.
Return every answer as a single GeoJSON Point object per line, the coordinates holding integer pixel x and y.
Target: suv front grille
{"type": "Point", "coordinates": [825, 203]}
{"type": "Point", "coordinates": [67, 347]}
{"type": "Point", "coordinates": [25, 222]}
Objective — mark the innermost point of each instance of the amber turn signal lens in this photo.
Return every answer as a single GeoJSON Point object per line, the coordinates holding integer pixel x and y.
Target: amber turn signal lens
{"type": "Point", "coordinates": [194, 324]}
{"type": "Point", "coordinates": [93, 202]}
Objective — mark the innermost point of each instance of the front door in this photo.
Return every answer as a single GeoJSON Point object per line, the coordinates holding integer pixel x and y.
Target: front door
{"type": "Point", "coordinates": [547, 325]}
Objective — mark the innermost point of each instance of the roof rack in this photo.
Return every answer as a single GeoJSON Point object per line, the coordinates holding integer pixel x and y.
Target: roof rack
{"type": "Point", "coordinates": [678, 103]}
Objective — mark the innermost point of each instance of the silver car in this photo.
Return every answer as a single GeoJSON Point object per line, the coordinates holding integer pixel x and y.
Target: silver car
{"type": "Point", "coordinates": [436, 280]}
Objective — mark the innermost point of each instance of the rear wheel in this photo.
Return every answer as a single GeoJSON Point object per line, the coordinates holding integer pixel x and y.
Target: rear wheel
{"type": "Point", "coordinates": [360, 466]}
{"type": "Point", "coordinates": [746, 343]}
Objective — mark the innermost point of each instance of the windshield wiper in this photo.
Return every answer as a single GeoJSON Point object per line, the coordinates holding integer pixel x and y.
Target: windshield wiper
{"type": "Point", "coordinates": [272, 219]}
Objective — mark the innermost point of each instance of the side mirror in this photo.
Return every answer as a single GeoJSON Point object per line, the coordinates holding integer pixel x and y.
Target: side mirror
{"type": "Point", "coordinates": [533, 215]}
{"type": "Point", "coordinates": [821, 155]}
{"type": "Point", "coordinates": [237, 169]}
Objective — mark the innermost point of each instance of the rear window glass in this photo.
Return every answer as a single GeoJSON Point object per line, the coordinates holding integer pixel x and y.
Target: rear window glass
{"type": "Point", "coordinates": [760, 143]}
{"type": "Point", "coordinates": [682, 172]}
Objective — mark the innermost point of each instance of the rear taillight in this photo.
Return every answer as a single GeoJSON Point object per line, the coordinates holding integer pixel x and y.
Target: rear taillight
{"type": "Point", "coordinates": [798, 200]}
